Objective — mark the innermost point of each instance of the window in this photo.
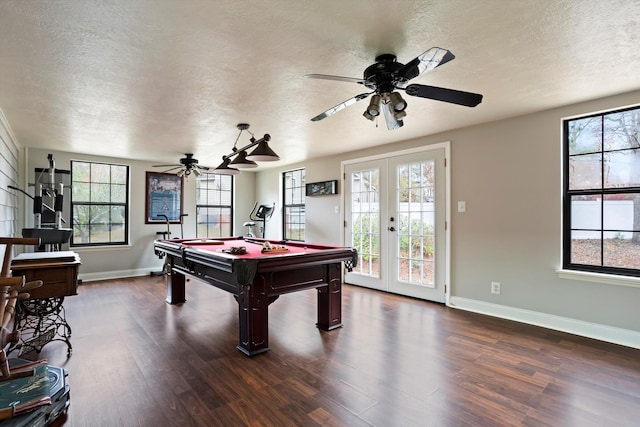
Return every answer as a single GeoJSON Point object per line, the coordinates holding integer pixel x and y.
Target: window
{"type": "Point", "coordinates": [99, 203]}
{"type": "Point", "coordinates": [294, 193]}
{"type": "Point", "coordinates": [602, 193]}
{"type": "Point", "coordinates": [214, 205]}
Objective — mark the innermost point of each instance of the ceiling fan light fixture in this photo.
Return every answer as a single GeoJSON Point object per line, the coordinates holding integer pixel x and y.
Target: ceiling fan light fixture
{"type": "Point", "coordinates": [399, 114]}
{"type": "Point", "coordinates": [397, 102]}
{"type": "Point", "coordinates": [241, 161]}
{"type": "Point", "coordinates": [374, 106]}
{"type": "Point", "coordinates": [387, 75]}
{"type": "Point", "coordinates": [224, 169]}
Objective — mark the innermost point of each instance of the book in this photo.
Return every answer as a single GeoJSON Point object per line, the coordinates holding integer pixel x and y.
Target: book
{"type": "Point", "coordinates": [24, 394]}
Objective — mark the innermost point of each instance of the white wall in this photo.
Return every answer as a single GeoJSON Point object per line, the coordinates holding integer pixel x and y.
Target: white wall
{"type": "Point", "coordinates": [509, 174]}
{"type": "Point", "coordinates": [9, 172]}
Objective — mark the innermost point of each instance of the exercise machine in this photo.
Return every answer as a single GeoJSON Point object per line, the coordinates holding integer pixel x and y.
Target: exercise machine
{"type": "Point", "coordinates": [165, 235]}
{"type": "Point", "coordinates": [261, 214]}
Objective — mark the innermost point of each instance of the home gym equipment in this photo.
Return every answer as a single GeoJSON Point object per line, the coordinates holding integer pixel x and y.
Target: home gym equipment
{"type": "Point", "coordinates": [261, 214]}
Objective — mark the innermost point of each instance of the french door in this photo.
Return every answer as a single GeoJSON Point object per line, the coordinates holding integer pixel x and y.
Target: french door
{"type": "Point", "coordinates": [395, 212]}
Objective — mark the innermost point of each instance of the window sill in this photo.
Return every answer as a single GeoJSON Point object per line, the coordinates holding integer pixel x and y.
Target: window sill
{"type": "Point", "coordinates": [99, 248]}
{"type": "Point", "coordinates": [608, 279]}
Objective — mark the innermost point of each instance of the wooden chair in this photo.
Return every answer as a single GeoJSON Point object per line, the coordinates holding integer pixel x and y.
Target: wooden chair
{"type": "Point", "coordinates": [12, 289]}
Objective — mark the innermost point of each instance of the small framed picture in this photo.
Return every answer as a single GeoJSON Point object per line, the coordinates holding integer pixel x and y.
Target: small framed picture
{"type": "Point", "coordinates": [164, 198]}
{"type": "Point", "coordinates": [322, 188]}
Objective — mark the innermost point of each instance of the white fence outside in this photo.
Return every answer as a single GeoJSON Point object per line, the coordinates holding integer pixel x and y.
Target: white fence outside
{"type": "Point", "coordinates": [618, 215]}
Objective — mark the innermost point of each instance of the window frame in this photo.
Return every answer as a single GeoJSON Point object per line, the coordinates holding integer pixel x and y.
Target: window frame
{"type": "Point", "coordinates": [603, 271]}
{"type": "Point", "coordinates": [286, 207]}
{"type": "Point", "coordinates": [125, 205]}
{"type": "Point", "coordinates": [218, 176]}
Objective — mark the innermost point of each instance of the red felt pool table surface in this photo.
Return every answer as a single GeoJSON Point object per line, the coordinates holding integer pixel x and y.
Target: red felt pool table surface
{"type": "Point", "coordinates": [257, 278]}
{"type": "Point", "coordinates": [254, 248]}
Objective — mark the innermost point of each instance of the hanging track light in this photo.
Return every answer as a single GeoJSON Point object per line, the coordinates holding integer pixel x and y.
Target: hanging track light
{"type": "Point", "coordinates": [224, 169]}
{"type": "Point", "coordinates": [262, 153]}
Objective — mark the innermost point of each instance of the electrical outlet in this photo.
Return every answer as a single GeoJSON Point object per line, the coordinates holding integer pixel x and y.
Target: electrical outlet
{"type": "Point", "coordinates": [495, 288]}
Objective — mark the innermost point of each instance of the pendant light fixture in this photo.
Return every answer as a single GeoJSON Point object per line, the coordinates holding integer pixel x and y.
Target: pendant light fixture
{"type": "Point", "coordinates": [261, 153]}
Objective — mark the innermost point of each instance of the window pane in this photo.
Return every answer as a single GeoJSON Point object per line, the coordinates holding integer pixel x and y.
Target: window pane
{"type": "Point", "coordinates": [100, 172]}
{"type": "Point", "coordinates": [622, 169]}
{"type": "Point", "coordinates": [81, 171]}
{"type": "Point", "coordinates": [621, 130]}
{"type": "Point", "coordinates": [585, 135]}
{"type": "Point", "coordinates": [622, 250]}
{"type": "Point", "coordinates": [117, 215]}
{"type": "Point", "coordinates": [117, 233]}
{"type": "Point", "coordinates": [118, 193]}
{"type": "Point", "coordinates": [585, 250]}
{"type": "Point", "coordinates": [585, 213]}
{"type": "Point", "coordinates": [118, 174]}
{"type": "Point", "coordinates": [585, 172]}
{"type": "Point", "coordinates": [99, 233]}
{"type": "Point", "coordinates": [81, 192]}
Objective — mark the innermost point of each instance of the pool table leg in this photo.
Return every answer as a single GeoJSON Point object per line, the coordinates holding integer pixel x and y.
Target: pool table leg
{"type": "Point", "coordinates": [253, 312]}
{"type": "Point", "coordinates": [175, 287]}
{"type": "Point", "coordinates": [330, 300]}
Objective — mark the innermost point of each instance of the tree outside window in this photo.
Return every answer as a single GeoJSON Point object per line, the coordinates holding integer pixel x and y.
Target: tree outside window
{"type": "Point", "coordinates": [602, 193]}
{"type": "Point", "coordinates": [99, 203]}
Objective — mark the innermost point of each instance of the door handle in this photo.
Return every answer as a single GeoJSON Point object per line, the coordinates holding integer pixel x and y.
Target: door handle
{"type": "Point", "coordinates": [392, 229]}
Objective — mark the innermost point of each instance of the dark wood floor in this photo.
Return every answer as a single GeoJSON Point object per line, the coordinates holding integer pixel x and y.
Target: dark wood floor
{"type": "Point", "coordinates": [396, 362]}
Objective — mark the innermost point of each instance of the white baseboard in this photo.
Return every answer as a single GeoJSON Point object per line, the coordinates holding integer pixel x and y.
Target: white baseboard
{"type": "Point", "coordinates": [610, 334]}
{"type": "Point", "coordinates": [117, 274]}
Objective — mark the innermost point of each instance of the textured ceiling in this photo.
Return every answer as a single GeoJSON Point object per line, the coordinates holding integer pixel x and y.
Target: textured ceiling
{"type": "Point", "coordinates": [153, 79]}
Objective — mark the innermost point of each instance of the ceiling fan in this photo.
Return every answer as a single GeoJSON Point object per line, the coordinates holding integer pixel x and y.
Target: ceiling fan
{"type": "Point", "coordinates": [387, 75]}
{"type": "Point", "coordinates": [187, 165]}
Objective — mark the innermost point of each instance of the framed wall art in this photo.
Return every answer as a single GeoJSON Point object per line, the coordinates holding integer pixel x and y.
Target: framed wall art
{"type": "Point", "coordinates": [163, 198]}
{"type": "Point", "coordinates": [322, 188]}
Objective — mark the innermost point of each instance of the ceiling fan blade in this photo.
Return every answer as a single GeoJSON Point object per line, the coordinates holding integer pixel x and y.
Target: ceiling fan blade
{"type": "Point", "coordinates": [206, 168]}
{"type": "Point", "coordinates": [429, 60]}
{"type": "Point", "coordinates": [453, 96]}
{"type": "Point", "coordinates": [341, 106]}
{"type": "Point", "coordinates": [165, 166]}
{"type": "Point", "coordinates": [392, 122]}
{"type": "Point", "coordinates": [173, 168]}
{"type": "Point", "coordinates": [338, 78]}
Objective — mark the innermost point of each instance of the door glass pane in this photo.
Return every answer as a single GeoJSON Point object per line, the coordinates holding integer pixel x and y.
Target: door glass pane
{"type": "Point", "coordinates": [365, 220]}
{"type": "Point", "coordinates": [416, 219]}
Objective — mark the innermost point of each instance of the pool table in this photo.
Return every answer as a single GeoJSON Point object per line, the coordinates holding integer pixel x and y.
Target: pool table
{"type": "Point", "coordinates": [258, 277]}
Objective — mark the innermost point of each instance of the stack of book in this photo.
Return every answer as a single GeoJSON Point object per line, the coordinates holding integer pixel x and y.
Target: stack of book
{"type": "Point", "coordinates": [33, 400]}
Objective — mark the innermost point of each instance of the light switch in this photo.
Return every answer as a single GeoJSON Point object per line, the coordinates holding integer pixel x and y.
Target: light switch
{"type": "Point", "coordinates": [462, 206]}
{"type": "Point", "coordinates": [337, 209]}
